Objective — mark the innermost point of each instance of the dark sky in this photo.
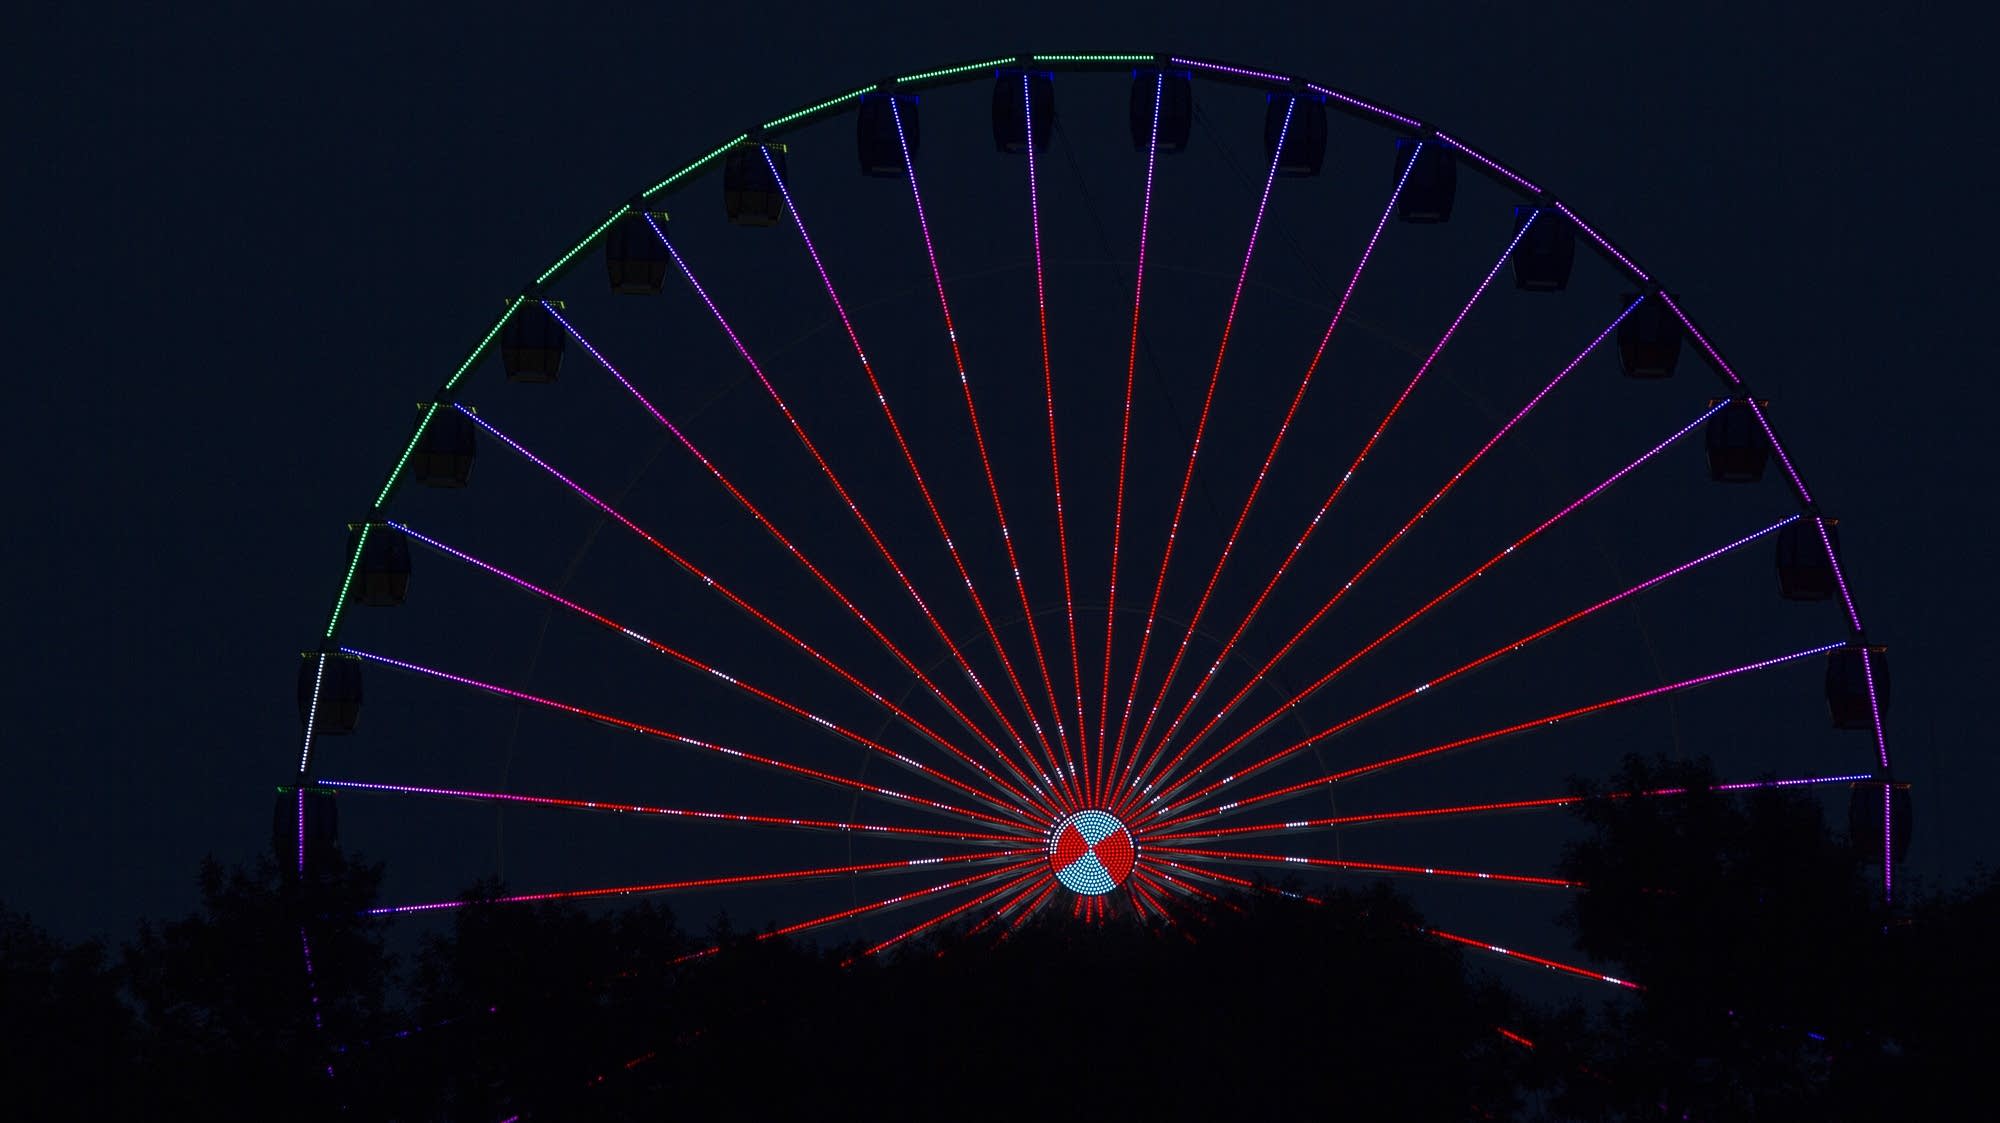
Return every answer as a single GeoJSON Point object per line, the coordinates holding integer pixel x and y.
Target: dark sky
{"type": "Point", "coordinates": [243, 247]}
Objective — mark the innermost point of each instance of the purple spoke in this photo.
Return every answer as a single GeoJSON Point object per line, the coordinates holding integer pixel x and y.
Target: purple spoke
{"type": "Point", "coordinates": [1200, 429]}
{"type": "Point", "coordinates": [692, 742]}
{"type": "Point", "coordinates": [1055, 466]}
{"type": "Point", "coordinates": [1134, 791]}
{"type": "Point", "coordinates": [1204, 794]}
{"type": "Point", "coordinates": [1344, 822]}
{"type": "Point", "coordinates": [771, 528]}
{"type": "Point", "coordinates": [739, 602]}
{"type": "Point", "coordinates": [1174, 726]}
{"type": "Point", "coordinates": [716, 673]}
{"type": "Point", "coordinates": [1439, 599]}
{"type": "Point", "coordinates": [1108, 765]}
{"type": "Point", "coordinates": [901, 866]}
{"type": "Point", "coordinates": [909, 460]}
{"type": "Point", "coordinates": [992, 486]}
{"type": "Point", "coordinates": [644, 810]}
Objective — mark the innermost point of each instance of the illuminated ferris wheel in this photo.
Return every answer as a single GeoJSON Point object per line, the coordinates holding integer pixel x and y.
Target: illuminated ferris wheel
{"type": "Point", "coordinates": [1206, 486]}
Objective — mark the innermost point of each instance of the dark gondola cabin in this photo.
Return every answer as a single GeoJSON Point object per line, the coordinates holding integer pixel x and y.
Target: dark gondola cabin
{"type": "Point", "coordinates": [750, 191]}
{"type": "Point", "coordinates": [1305, 136]}
{"type": "Point", "coordinates": [1547, 249]}
{"type": "Point", "coordinates": [1736, 444]}
{"type": "Point", "coordinates": [444, 454]}
{"type": "Point", "coordinates": [1864, 818]}
{"type": "Point", "coordinates": [339, 689]}
{"type": "Point", "coordinates": [1847, 682]}
{"type": "Point", "coordinates": [1432, 182]}
{"type": "Point", "coordinates": [1804, 571]}
{"type": "Point", "coordinates": [531, 345]}
{"type": "Point", "coordinates": [1011, 104]}
{"type": "Point", "coordinates": [382, 575]}
{"type": "Point", "coordinates": [876, 138]}
{"type": "Point", "coordinates": [635, 259]}
{"type": "Point", "coordinates": [319, 832]}
{"type": "Point", "coordinates": [1649, 338]}
{"type": "Point", "coordinates": [1175, 94]}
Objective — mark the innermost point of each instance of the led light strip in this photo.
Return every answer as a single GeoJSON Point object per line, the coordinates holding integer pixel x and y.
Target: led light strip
{"type": "Point", "coordinates": [992, 486]}
{"type": "Point", "coordinates": [1024, 809]}
{"type": "Point", "coordinates": [1200, 430]}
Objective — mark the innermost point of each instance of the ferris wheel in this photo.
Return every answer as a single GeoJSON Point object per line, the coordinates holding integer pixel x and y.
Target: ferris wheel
{"type": "Point", "coordinates": [1073, 482]}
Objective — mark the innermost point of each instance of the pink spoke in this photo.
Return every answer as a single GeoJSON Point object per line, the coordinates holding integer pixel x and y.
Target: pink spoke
{"type": "Point", "coordinates": [900, 866]}
{"type": "Point", "coordinates": [992, 486]}
{"type": "Point", "coordinates": [1439, 599]}
{"type": "Point", "coordinates": [1250, 500]}
{"type": "Point", "coordinates": [1134, 791]}
{"type": "Point", "coordinates": [640, 809]}
{"type": "Point", "coordinates": [1524, 957]}
{"type": "Point", "coordinates": [1021, 800]}
{"type": "Point", "coordinates": [948, 914]}
{"type": "Point", "coordinates": [1055, 466]}
{"type": "Point", "coordinates": [1365, 867]}
{"type": "Point", "coordinates": [1339, 822]}
{"type": "Point", "coordinates": [691, 742]}
{"type": "Point", "coordinates": [1462, 742]}
{"type": "Point", "coordinates": [825, 469]}
{"type": "Point", "coordinates": [1105, 769]}
{"type": "Point", "coordinates": [909, 459]}
{"type": "Point", "coordinates": [1200, 429]}
{"type": "Point", "coordinates": [695, 571]}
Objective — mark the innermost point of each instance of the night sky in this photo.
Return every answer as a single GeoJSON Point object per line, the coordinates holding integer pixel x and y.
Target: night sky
{"type": "Point", "coordinates": [244, 248]}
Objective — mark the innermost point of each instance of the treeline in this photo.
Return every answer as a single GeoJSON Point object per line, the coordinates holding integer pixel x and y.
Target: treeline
{"type": "Point", "coordinates": [1777, 987]}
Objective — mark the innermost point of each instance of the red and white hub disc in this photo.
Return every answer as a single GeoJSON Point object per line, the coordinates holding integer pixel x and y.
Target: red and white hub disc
{"type": "Point", "coordinates": [1091, 853]}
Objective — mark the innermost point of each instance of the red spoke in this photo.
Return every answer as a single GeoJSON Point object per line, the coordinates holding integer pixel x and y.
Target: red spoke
{"type": "Point", "coordinates": [1105, 768]}
{"type": "Point", "coordinates": [1524, 957]}
{"type": "Point", "coordinates": [690, 742]}
{"type": "Point", "coordinates": [771, 528]}
{"type": "Point", "coordinates": [722, 590]}
{"type": "Point", "coordinates": [1042, 883]}
{"type": "Point", "coordinates": [1021, 800]}
{"type": "Point", "coordinates": [737, 880]}
{"type": "Point", "coordinates": [641, 809]}
{"type": "Point", "coordinates": [923, 488]}
{"type": "Point", "coordinates": [1072, 793]}
{"type": "Point", "coordinates": [948, 914]}
{"type": "Point", "coordinates": [1365, 867]}
{"type": "Point", "coordinates": [1033, 908]}
{"type": "Point", "coordinates": [1439, 599]}
{"type": "Point", "coordinates": [1194, 449]}
{"type": "Point", "coordinates": [1338, 822]}
{"type": "Point", "coordinates": [1256, 486]}
{"type": "Point", "coordinates": [881, 905]}
{"type": "Point", "coordinates": [1463, 742]}
{"type": "Point", "coordinates": [1055, 466]}
{"type": "Point", "coordinates": [1134, 792]}
{"type": "Point", "coordinates": [1141, 894]}
{"type": "Point", "coordinates": [1395, 538]}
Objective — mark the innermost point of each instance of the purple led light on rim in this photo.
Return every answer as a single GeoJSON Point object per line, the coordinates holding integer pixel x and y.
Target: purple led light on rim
{"type": "Point", "coordinates": [1496, 168]}
{"type": "Point", "coordinates": [1362, 105]}
{"type": "Point", "coordinates": [1846, 599]}
{"type": "Point", "coordinates": [1607, 247]}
